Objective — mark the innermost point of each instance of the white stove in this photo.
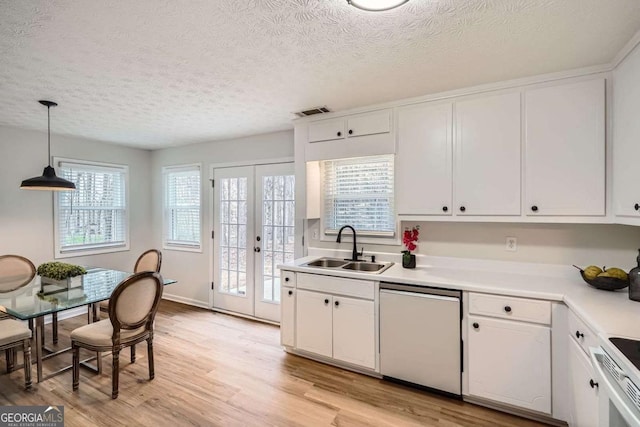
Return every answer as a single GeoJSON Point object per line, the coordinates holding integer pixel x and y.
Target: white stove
{"type": "Point", "coordinates": [617, 366]}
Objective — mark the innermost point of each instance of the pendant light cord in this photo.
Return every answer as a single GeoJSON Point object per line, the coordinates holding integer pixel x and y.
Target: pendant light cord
{"type": "Point", "coordinates": [49, 134]}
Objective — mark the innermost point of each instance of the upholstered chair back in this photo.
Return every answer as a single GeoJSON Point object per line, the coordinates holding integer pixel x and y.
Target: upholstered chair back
{"type": "Point", "coordinates": [15, 271]}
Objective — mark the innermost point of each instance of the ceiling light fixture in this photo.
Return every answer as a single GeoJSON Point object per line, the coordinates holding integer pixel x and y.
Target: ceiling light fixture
{"type": "Point", "coordinates": [376, 5]}
{"type": "Point", "coordinates": [48, 180]}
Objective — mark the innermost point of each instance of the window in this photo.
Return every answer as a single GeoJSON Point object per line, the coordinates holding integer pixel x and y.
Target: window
{"type": "Point", "coordinates": [182, 207]}
{"type": "Point", "coordinates": [359, 192]}
{"type": "Point", "coordinates": [93, 219]}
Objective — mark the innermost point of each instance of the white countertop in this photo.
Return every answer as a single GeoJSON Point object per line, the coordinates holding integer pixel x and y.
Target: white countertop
{"type": "Point", "coordinates": [608, 313]}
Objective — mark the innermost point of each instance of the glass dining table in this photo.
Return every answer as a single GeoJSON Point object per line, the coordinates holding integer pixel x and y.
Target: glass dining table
{"type": "Point", "coordinates": [36, 300]}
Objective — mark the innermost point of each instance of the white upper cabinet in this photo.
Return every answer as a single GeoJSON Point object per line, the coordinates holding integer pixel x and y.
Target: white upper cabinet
{"type": "Point", "coordinates": [424, 160]}
{"type": "Point", "coordinates": [626, 138]}
{"type": "Point", "coordinates": [357, 135]}
{"type": "Point", "coordinates": [326, 130]}
{"type": "Point", "coordinates": [487, 159]}
{"type": "Point", "coordinates": [565, 149]}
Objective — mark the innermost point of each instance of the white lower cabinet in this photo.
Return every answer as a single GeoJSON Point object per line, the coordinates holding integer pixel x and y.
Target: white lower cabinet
{"type": "Point", "coordinates": [288, 317]}
{"type": "Point", "coordinates": [510, 362]}
{"type": "Point", "coordinates": [335, 326]}
{"type": "Point", "coordinates": [583, 391]}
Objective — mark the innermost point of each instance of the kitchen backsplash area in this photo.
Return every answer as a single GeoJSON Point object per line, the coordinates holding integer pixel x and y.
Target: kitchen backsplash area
{"type": "Point", "coordinates": [581, 244]}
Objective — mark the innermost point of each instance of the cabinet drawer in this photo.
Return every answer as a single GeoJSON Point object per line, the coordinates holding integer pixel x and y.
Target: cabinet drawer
{"type": "Point", "coordinates": [527, 310]}
{"type": "Point", "coordinates": [336, 285]}
{"type": "Point", "coordinates": [288, 278]}
{"type": "Point", "coordinates": [581, 333]}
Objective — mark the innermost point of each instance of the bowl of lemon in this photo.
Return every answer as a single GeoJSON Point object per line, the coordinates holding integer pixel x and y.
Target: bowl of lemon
{"type": "Point", "coordinates": [608, 279]}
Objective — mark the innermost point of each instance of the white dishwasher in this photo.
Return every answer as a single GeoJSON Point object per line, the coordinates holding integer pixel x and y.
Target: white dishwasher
{"type": "Point", "coordinates": [420, 336]}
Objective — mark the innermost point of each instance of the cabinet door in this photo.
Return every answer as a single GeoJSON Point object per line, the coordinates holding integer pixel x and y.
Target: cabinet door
{"type": "Point", "coordinates": [487, 162]}
{"type": "Point", "coordinates": [326, 130]}
{"type": "Point", "coordinates": [354, 331]}
{"type": "Point", "coordinates": [287, 317]}
{"type": "Point", "coordinates": [369, 124]}
{"type": "Point", "coordinates": [564, 150]}
{"type": "Point", "coordinates": [313, 322]}
{"type": "Point", "coordinates": [626, 132]}
{"type": "Point", "coordinates": [423, 160]}
{"type": "Point", "coordinates": [510, 362]}
{"type": "Point", "coordinates": [583, 397]}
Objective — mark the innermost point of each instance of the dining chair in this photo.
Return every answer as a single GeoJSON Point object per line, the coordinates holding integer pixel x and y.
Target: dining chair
{"type": "Point", "coordinates": [150, 260]}
{"type": "Point", "coordinates": [14, 335]}
{"type": "Point", "coordinates": [132, 310]}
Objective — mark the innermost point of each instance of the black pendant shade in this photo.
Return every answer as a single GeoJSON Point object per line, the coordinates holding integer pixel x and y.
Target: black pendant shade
{"type": "Point", "coordinates": [48, 181]}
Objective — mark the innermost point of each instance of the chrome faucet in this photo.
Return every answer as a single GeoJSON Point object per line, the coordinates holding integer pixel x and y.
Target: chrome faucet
{"type": "Point", "coordinates": [354, 254]}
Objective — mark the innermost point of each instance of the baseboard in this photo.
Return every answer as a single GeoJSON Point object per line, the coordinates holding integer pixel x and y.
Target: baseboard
{"type": "Point", "coordinates": [245, 316]}
{"type": "Point", "coordinates": [187, 301]}
{"type": "Point", "coordinates": [502, 407]}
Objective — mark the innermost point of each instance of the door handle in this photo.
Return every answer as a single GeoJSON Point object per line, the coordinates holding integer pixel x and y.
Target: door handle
{"type": "Point", "coordinates": [256, 249]}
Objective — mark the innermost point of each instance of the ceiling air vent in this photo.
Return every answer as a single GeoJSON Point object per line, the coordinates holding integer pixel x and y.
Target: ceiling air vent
{"type": "Point", "coordinates": [312, 111]}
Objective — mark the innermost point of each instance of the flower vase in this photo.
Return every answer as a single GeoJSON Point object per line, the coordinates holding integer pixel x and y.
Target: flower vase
{"type": "Point", "coordinates": [408, 260]}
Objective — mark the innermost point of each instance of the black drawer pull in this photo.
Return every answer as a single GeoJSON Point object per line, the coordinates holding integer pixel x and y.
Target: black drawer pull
{"type": "Point", "coordinates": [593, 384]}
{"type": "Point", "coordinates": [337, 303]}
{"type": "Point", "coordinates": [350, 131]}
{"type": "Point", "coordinates": [326, 301]}
{"type": "Point", "coordinates": [579, 334]}
{"type": "Point", "coordinates": [636, 207]}
{"type": "Point", "coordinates": [339, 133]}
{"type": "Point", "coordinates": [290, 293]}
{"type": "Point", "coordinates": [462, 209]}
{"type": "Point", "coordinates": [286, 279]}
{"type": "Point", "coordinates": [534, 208]}
{"type": "Point", "coordinates": [476, 325]}
{"type": "Point", "coordinates": [444, 209]}
{"type": "Point", "coordinates": [507, 309]}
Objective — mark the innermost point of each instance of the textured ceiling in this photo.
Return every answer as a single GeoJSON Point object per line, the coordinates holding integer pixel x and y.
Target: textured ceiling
{"type": "Point", "coordinates": [156, 73]}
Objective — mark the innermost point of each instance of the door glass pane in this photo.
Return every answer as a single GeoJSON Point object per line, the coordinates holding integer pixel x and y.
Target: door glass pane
{"type": "Point", "coordinates": [233, 242]}
{"type": "Point", "coordinates": [278, 207]}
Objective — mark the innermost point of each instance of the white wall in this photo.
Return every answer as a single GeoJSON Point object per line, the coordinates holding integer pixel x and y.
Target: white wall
{"type": "Point", "coordinates": [193, 270]}
{"type": "Point", "coordinates": [26, 217]}
{"type": "Point", "coordinates": [581, 244]}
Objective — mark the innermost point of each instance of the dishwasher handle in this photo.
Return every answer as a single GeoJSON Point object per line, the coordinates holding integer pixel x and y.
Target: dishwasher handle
{"type": "Point", "coordinates": [419, 290]}
{"type": "Point", "coordinates": [420, 295]}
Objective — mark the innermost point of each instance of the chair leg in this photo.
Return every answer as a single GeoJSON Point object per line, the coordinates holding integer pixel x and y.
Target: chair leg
{"type": "Point", "coordinates": [54, 326]}
{"type": "Point", "coordinates": [152, 372]}
{"type": "Point", "coordinates": [10, 358]}
{"type": "Point", "coordinates": [26, 350]}
{"type": "Point", "coordinates": [133, 353]}
{"type": "Point", "coordinates": [76, 365]}
{"type": "Point", "coordinates": [115, 373]}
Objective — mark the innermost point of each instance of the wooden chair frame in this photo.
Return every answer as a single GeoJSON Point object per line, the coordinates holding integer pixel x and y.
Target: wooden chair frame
{"type": "Point", "coordinates": [117, 345]}
{"type": "Point", "coordinates": [25, 346]}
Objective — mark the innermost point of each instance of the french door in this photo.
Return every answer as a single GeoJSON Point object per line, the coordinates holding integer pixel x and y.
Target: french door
{"type": "Point", "coordinates": [253, 232]}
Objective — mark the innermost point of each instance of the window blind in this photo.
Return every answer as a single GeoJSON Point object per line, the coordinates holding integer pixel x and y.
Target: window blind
{"type": "Point", "coordinates": [359, 192]}
{"type": "Point", "coordinates": [182, 206]}
{"type": "Point", "coordinates": [95, 215]}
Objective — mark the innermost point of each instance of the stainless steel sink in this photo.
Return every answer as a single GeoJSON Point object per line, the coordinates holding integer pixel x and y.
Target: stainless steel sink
{"type": "Point", "coordinates": [339, 264]}
{"type": "Point", "coordinates": [326, 263]}
{"type": "Point", "coordinates": [370, 267]}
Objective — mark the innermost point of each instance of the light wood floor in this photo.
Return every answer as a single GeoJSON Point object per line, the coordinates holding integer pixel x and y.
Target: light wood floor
{"type": "Point", "coordinates": [218, 370]}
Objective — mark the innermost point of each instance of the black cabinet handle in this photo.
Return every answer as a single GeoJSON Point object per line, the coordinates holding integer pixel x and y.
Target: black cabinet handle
{"type": "Point", "coordinates": [258, 238]}
{"type": "Point", "coordinates": [290, 292]}
{"type": "Point", "coordinates": [579, 335]}
{"type": "Point", "coordinates": [593, 384]}
{"type": "Point", "coordinates": [256, 249]}
{"type": "Point", "coordinates": [339, 133]}
{"type": "Point", "coordinates": [476, 325]}
{"type": "Point", "coordinates": [534, 208]}
{"type": "Point", "coordinates": [462, 209]}
{"type": "Point", "coordinates": [444, 209]}
{"type": "Point", "coordinates": [636, 207]}
{"type": "Point", "coordinates": [507, 309]}
{"type": "Point", "coordinates": [326, 301]}
{"type": "Point", "coordinates": [337, 303]}
{"type": "Point", "coordinates": [286, 279]}
{"type": "Point", "coordinates": [350, 131]}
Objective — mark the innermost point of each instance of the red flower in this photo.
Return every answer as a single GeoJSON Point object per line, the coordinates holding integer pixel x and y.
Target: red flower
{"type": "Point", "coordinates": [410, 236]}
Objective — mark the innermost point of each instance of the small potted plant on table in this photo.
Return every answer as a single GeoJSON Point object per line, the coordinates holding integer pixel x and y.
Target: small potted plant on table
{"type": "Point", "coordinates": [409, 239]}
{"type": "Point", "coordinates": [61, 274]}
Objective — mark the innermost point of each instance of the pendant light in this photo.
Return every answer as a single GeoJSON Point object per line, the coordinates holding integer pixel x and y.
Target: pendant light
{"type": "Point", "coordinates": [48, 180]}
{"type": "Point", "coordinates": [376, 5]}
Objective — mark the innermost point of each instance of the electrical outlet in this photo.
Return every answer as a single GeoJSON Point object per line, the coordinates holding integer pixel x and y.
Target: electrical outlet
{"type": "Point", "coordinates": [511, 245]}
{"type": "Point", "coordinates": [315, 234]}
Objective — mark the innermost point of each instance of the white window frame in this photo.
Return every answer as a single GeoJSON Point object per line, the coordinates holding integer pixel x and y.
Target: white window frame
{"type": "Point", "coordinates": [369, 237]}
{"type": "Point", "coordinates": [167, 244]}
{"type": "Point", "coordinates": [91, 249]}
